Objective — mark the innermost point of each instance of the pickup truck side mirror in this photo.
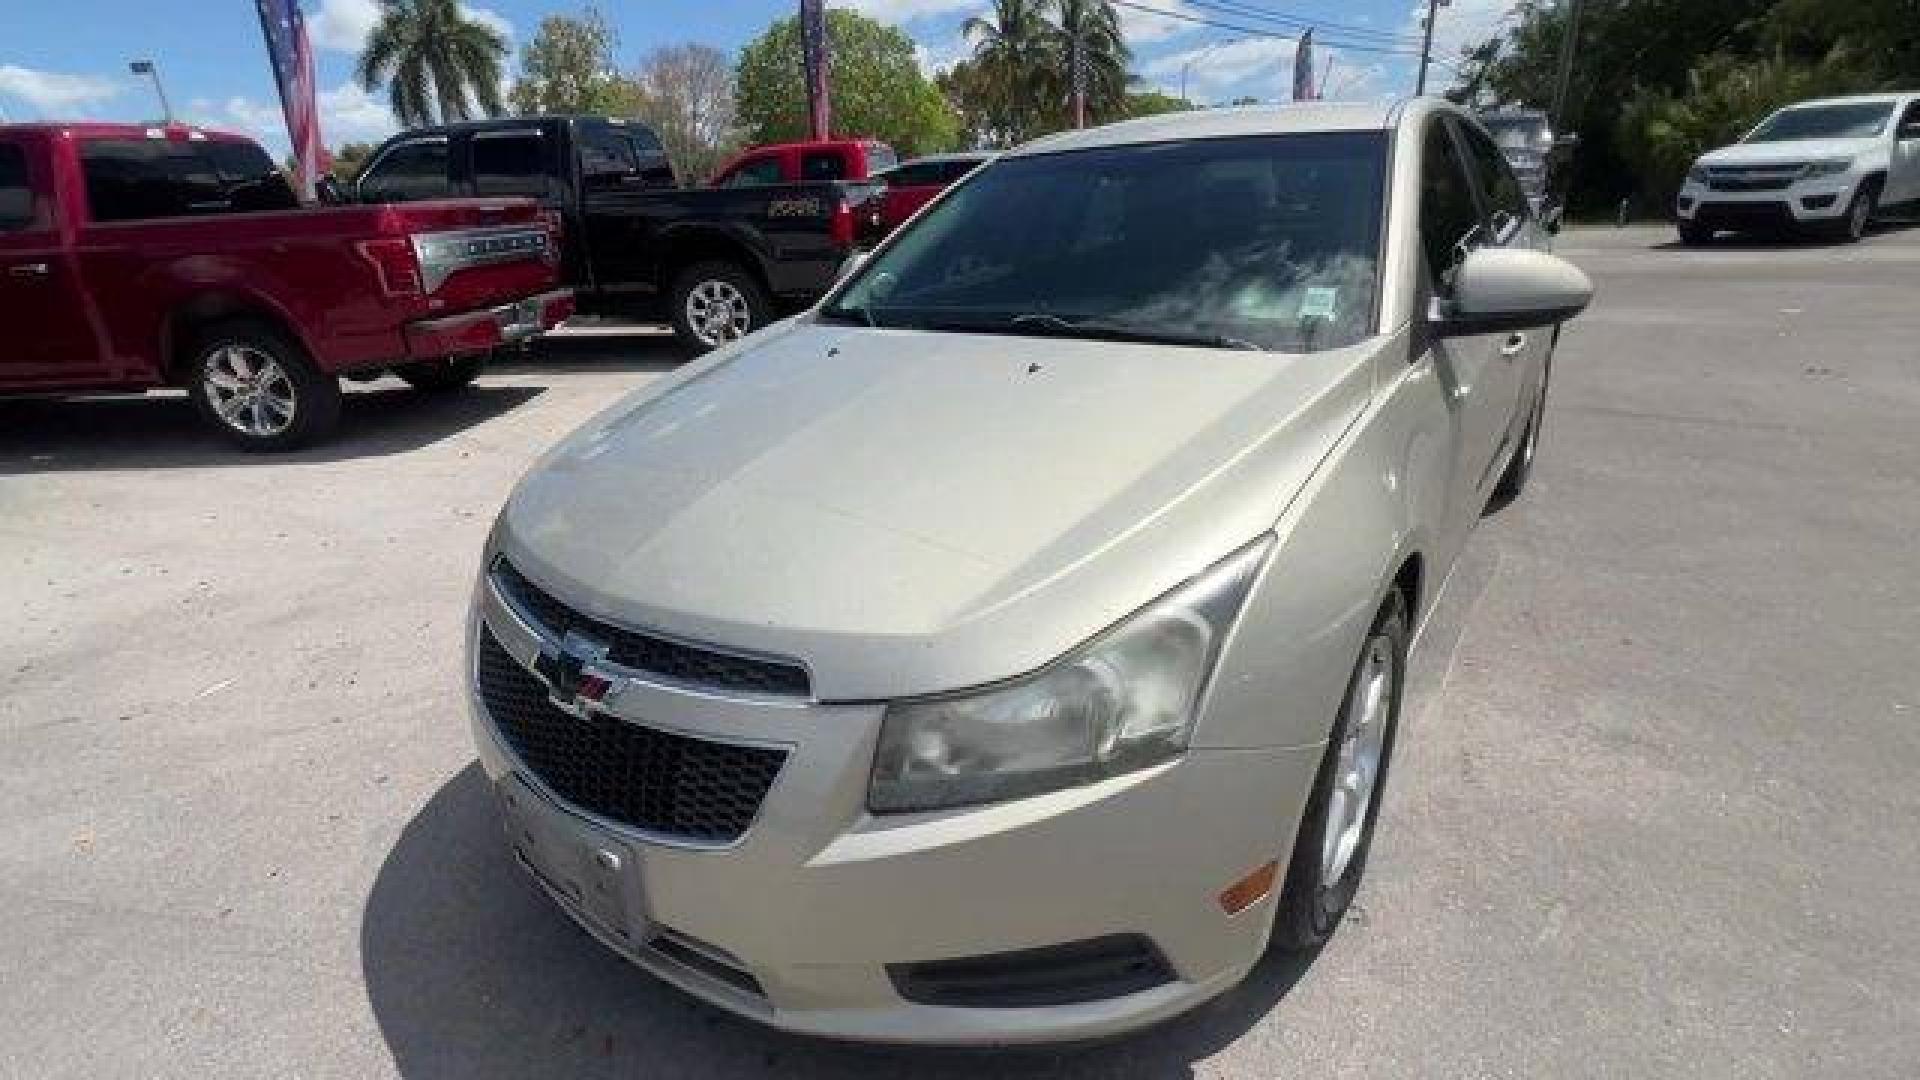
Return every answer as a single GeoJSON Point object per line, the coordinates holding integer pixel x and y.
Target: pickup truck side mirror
{"type": "Point", "coordinates": [1499, 290]}
{"type": "Point", "coordinates": [330, 191]}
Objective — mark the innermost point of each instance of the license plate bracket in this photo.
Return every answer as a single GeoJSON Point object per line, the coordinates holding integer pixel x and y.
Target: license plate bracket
{"type": "Point", "coordinates": [585, 867]}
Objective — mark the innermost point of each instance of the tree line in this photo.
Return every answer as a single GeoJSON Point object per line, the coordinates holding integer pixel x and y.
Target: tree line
{"type": "Point", "coordinates": [1658, 82]}
{"type": "Point", "coordinates": [1033, 67]}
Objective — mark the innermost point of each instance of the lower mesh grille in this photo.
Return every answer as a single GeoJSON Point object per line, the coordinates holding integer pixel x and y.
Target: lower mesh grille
{"type": "Point", "coordinates": [1080, 971]}
{"type": "Point", "coordinates": [658, 781]}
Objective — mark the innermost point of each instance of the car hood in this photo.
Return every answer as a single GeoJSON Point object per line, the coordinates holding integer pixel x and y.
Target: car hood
{"type": "Point", "coordinates": [1787, 153]}
{"type": "Point", "coordinates": [908, 512]}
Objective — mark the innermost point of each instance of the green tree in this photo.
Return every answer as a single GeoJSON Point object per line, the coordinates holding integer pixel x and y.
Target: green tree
{"type": "Point", "coordinates": [1012, 79]}
{"type": "Point", "coordinates": [437, 62]}
{"type": "Point", "coordinates": [348, 159]}
{"type": "Point", "coordinates": [1153, 103]}
{"type": "Point", "coordinates": [1085, 36]}
{"type": "Point", "coordinates": [878, 89]}
{"type": "Point", "coordinates": [568, 67]}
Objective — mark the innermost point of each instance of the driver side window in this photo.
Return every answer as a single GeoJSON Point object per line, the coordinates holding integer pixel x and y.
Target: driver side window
{"type": "Point", "coordinates": [1448, 216]}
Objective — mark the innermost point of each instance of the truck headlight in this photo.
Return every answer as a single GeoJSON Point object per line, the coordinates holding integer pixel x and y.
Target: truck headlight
{"type": "Point", "coordinates": [1123, 701]}
{"type": "Point", "coordinates": [1829, 167]}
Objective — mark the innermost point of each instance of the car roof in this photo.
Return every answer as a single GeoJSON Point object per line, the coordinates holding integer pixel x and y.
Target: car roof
{"type": "Point", "coordinates": [1851, 99]}
{"type": "Point", "coordinates": [91, 129]}
{"type": "Point", "coordinates": [1226, 123]}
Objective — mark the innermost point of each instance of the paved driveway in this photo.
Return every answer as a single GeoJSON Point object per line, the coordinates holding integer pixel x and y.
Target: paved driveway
{"type": "Point", "coordinates": [1655, 811]}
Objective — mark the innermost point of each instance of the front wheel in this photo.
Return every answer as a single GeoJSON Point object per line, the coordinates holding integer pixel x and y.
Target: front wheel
{"type": "Point", "coordinates": [1853, 226]}
{"type": "Point", "coordinates": [441, 376]}
{"type": "Point", "coordinates": [257, 387]}
{"type": "Point", "coordinates": [717, 302]}
{"type": "Point", "coordinates": [1336, 831]}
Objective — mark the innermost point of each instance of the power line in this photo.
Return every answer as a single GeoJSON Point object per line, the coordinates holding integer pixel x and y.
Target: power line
{"type": "Point", "coordinates": [1255, 31]}
{"type": "Point", "coordinates": [1240, 9]}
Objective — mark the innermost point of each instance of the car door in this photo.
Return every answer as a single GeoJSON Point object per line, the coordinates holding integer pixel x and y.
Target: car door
{"type": "Point", "coordinates": [42, 301]}
{"type": "Point", "coordinates": [1903, 170]}
{"type": "Point", "coordinates": [1507, 221]}
{"type": "Point", "coordinates": [1469, 367]}
{"type": "Point", "coordinates": [621, 248]}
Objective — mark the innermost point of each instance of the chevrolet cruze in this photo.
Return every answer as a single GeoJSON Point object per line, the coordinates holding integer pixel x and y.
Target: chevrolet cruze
{"type": "Point", "coordinates": [1010, 648]}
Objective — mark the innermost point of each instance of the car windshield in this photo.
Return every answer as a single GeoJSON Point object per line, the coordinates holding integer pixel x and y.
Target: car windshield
{"type": "Point", "coordinates": [1858, 120]}
{"type": "Point", "coordinates": [1267, 242]}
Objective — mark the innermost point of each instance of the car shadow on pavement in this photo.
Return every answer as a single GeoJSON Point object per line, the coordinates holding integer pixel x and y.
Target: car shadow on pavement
{"type": "Point", "coordinates": [471, 973]}
{"type": "Point", "coordinates": [594, 348]}
{"type": "Point", "coordinates": [1776, 241]}
{"type": "Point", "coordinates": [162, 430]}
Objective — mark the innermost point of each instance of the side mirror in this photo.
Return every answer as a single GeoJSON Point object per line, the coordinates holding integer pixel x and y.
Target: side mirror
{"type": "Point", "coordinates": [851, 264]}
{"type": "Point", "coordinates": [329, 191]}
{"type": "Point", "coordinates": [1499, 290]}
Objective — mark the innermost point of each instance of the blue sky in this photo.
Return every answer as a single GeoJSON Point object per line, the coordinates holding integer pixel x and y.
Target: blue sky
{"type": "Point", "coordinates": [68, 59]}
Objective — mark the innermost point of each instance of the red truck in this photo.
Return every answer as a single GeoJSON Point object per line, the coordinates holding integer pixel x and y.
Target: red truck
{"type": "Point", "coordinates": [806, 163]}
{"type": "Point", "coordinates": [135, 257]}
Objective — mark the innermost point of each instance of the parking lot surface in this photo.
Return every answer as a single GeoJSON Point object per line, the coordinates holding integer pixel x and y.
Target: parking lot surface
{"type": "Point", "coordinates": [1653, 811]}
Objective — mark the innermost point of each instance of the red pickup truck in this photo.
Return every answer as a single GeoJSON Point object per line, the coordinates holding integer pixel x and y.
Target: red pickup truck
{"type": "Point", "coordinates": [134, 257]}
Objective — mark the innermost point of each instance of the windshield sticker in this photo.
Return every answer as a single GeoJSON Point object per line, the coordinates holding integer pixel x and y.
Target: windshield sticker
{"type": "Point", "coordinates": [1320, 303]}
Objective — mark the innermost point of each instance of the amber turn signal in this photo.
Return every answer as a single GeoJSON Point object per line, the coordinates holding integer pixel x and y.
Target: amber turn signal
{"type": "Point", "coordinates": [1249, 890]}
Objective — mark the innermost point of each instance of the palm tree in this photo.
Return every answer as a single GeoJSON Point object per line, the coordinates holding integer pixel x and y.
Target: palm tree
{"type": "Point", "coordinates": [1012, 52]}
{"type": "Point", "coordinates": [1089, 48]}
{"type": "Point", "coordinates": [432, 55]}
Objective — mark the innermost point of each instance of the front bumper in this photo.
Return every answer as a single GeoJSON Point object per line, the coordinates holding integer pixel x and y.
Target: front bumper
{"type": "Point", "coordinates": [806, 920]}
{"type": "Point", "coordinates": [1806, 202]}
{"type": "Point", "coordinates": [488, 328]}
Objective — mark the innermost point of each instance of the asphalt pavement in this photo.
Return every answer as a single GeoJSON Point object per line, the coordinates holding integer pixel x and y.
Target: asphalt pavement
{"type": "Point", "coordinates": [1654, 810]}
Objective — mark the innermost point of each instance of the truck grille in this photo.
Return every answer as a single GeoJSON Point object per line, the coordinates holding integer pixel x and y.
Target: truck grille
{"type": "Point", "coordinates": [690, 665]}
{"type": "Point", "coordinates": [1754, 177]}
{"type": "Point", "coordinates": [653, 780]}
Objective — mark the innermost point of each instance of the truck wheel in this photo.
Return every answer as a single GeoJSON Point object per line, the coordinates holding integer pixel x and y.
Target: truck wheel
{"type": "Point", "coordinates": [440, 376]}
{"type": "Point", "coordinates": [1852, 226]}
{"type": "Point", "coordinates": [258, 388]}
{"type": "Point", "coordinates": [717, 302]}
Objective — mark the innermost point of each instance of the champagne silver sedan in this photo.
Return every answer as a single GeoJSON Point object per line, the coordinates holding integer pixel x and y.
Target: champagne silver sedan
{"type": "Point", "coordinates": [1010, 648]}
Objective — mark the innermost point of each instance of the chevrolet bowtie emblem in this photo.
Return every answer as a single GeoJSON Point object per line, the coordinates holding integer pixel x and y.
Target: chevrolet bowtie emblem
{"type": "Point", "coordinates": [569, 684]}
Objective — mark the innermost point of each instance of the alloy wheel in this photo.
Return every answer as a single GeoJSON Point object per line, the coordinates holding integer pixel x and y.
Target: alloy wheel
{"type": "Point", "coordinates": [1357, 769]}
{"type": "Point", "coordinates": [718, 312]}
{"type": "Point", "coordinates": [250, 391]}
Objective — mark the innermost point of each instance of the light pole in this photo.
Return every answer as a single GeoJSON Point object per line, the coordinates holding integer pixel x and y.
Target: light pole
{"type": "Point", "coordinates": [145, 67]}
{"type": "Point", "coordinates": [1199, 56]}
{"type": "Point", "coordinates": [1426, 46]}
{"type": "Point", "coordinates": [1557, 117]}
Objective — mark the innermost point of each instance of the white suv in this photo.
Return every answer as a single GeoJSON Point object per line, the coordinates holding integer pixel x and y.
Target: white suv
{"type": "Point", "coordinates": [1827, 166]}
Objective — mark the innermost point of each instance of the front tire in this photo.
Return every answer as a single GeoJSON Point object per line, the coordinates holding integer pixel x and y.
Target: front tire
{"type": "Point", "coordinates": [258, 388]}
{"type": "Point", "coordinates": [442, 376]}
{"type": "Point", "coordinates": [1852, 227]}
{"type": "Point", "coordinates": [716, 302]}
{"type": "Point", "coordinates": [1336, 831]}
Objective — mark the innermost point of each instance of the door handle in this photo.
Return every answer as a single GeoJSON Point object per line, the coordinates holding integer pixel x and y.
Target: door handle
{"type": "Point", "coordinates": [28, 270]}
{"type": "Point", "coordinates": [1516, 344]}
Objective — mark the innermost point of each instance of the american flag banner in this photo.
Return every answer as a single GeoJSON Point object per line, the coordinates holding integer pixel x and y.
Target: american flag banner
{"type": "Point", "coordinates": [292, 57]}
{"type": "Point", "coordinates": [814, 59]}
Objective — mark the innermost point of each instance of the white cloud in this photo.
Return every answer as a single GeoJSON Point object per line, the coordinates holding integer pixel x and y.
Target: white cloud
{"type": "Point", "coordinates": [1143, 26]}
{"type": "Point", "coordinates": [490, 19]}
{"type": "Point", "coordinates": [933, 60]}
{"type": "Point", "coordinates": [343, 25]}
{"type": "Point", "coordinates": [53, 94]}
{"type": "Point", "coordinates": [899, 11]}
{"type": "Point", "coordinates": [1249, 67]}
{"type": "Point", "coordinates": [350, 114]}
{"type": "Point", "coordinates": [347, 114]}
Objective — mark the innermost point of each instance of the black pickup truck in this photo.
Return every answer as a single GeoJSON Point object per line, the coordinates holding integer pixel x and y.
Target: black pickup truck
{"type": "Point", "coordinates": [716, 263]}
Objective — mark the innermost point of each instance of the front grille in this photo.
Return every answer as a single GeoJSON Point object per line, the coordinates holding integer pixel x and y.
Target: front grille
{"type": "Point", "coordinates": [1754, 177]}
{"type": "Point", "coordinates": [1079, 971]}
{"type": "Point", "coordinates": [682, 663]}
{"type": "Point", "coordinates": [658, 781]}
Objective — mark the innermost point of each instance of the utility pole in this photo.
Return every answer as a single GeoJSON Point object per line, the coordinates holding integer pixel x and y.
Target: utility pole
{"type": "Point", "coordinates": [1557, 116]}
{"type": "Point", "coordinates": [145, 67]}
{"type": "Point", "coordinates": [1426, 47]}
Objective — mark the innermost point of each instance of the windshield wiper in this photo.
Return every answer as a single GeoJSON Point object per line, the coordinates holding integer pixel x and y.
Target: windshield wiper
{"type": "Point", "coordinates": [1041, 323]}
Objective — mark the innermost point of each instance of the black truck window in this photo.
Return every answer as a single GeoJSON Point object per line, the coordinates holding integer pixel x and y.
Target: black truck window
{"type": "Point", "coordinates": [138, 179]}
{"type": "Point", "coordinates": [412, 170]}
{"type": "Point", "coordinates": [509, 163]}
{"type": "Point", "coordinates": [16, 195]}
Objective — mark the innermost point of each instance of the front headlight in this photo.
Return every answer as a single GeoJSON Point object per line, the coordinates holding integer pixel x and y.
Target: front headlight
{"type": "Point", "coordinates": [1121, 702]}
{"type": "Point", "coordinates": [1829, 167]}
